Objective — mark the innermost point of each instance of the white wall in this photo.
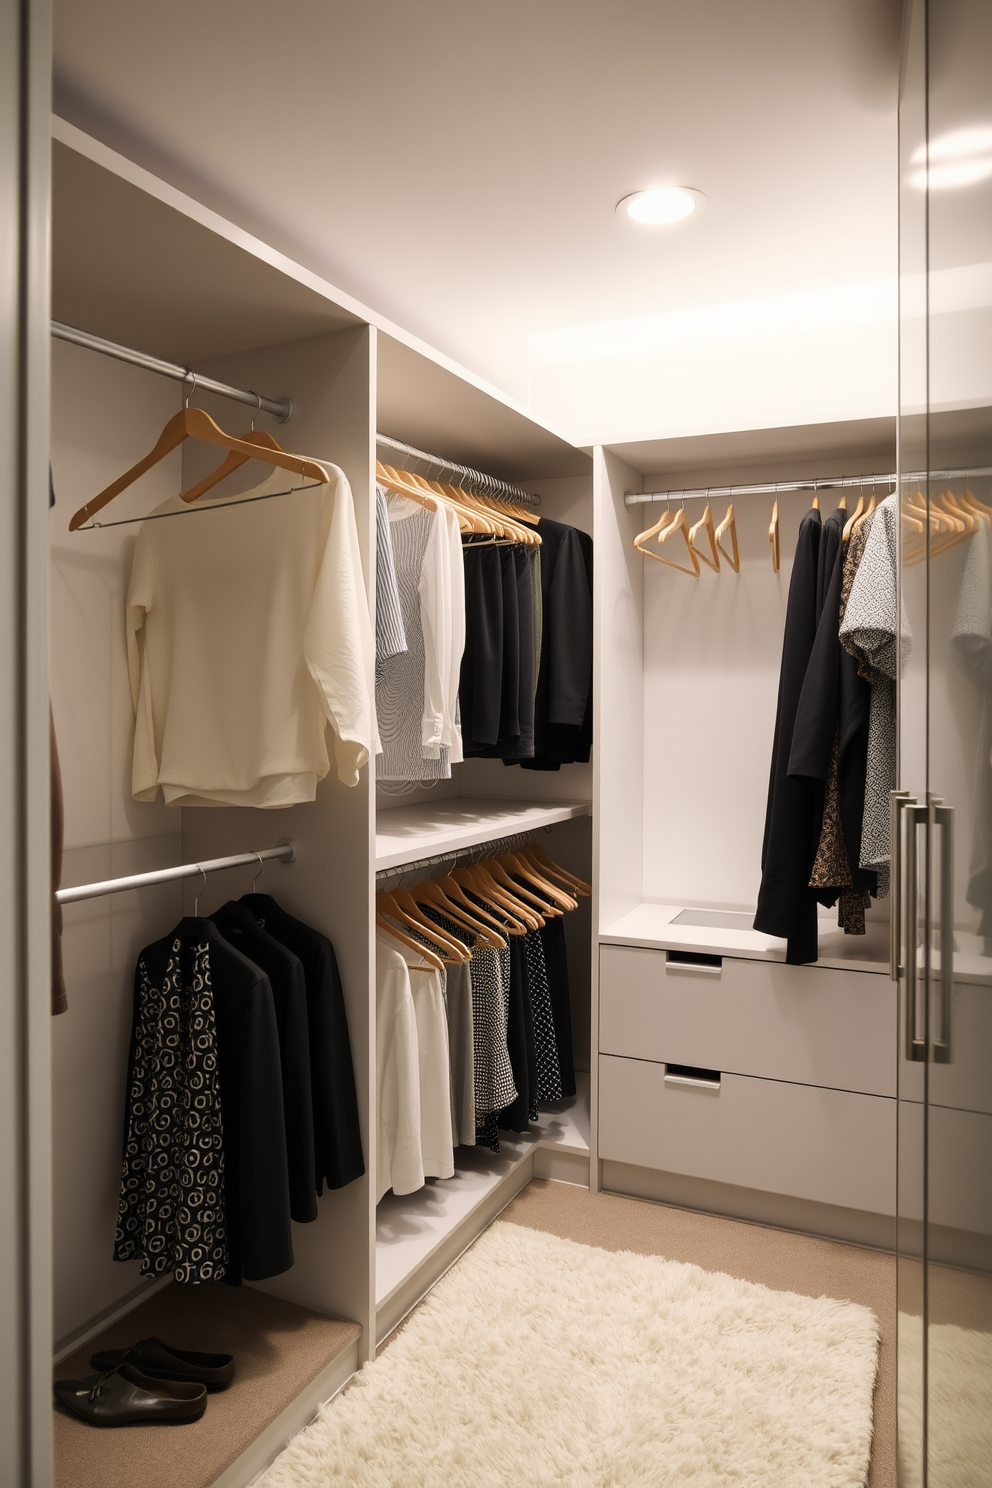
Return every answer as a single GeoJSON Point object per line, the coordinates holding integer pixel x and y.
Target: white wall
{"type": "Point", "coordinates": [105, 416]}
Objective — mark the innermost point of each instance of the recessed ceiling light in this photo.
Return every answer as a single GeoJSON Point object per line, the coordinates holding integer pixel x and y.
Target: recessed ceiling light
{"type": "Point", "coordinates": [660, 204]}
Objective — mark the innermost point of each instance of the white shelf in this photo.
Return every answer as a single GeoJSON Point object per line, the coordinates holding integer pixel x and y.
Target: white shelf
{"type": "Point", "coordinates": [411, 1229]}
{"type": "Point", "coordinates": [405, 833]}
{"type": "Point", "coordinates": [650, 925]}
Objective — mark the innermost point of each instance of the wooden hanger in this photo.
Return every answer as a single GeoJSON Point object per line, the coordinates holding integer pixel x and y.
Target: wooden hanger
{"type": "Point", "coordinates": [518, 864]}
{"type": "Point", "coordinates": [193, 423]}
{"type": "Point", "coordinates": [869, 511]}
{"type": "Point", "coordinates": [773, 538]}
{"type": "Point", "coordinates": [537, 855]}
{"type": "Point", "coordinates": [457, 895]}
{"type": "Point", "coordinates": [418, 920]}
{"type": "Point", "coordinates": [514, 922]}
{"type": "Point", "coordinates": [705, 524]}
{"type": "Point", "coordinates": [386, 905]}
{"type": "Point", "coordinates": [729, 524]}
{"type": "Point", "coordinates": [510, 896]}
{"type": "Point", "coordinates": [434, 963]}
{"type": "Point", "coordinates": [676, 524]}
{"type": "Point", "coordinates": [468, 521]}
{"type": "Point", "coordinates": [430, 892]}
{"type": "Point", "coordinates": [852, 519]}
{"type": "Point", "coordinates": [234, 461]}
{"type": "Point", "coordinates": [399, 482]}
{"type": "Point", "coordinates": [537, 906]}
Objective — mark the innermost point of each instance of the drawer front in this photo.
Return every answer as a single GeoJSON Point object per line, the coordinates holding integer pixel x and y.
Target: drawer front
{"type": "Point", "coordinates": [830, 1146]}
{"type": "Point", "coordinates": [798, 1023]}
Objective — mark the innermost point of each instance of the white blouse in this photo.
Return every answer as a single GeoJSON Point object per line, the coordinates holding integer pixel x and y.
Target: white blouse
{"type": "Point", "coordinates": [399, 1161]}
{"type": "Point", "coordinates": [248, 631]}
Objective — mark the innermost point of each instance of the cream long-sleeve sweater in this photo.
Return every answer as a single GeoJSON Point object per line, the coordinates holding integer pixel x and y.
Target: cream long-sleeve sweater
{"type": "Point", "coordinates": [248, 632]}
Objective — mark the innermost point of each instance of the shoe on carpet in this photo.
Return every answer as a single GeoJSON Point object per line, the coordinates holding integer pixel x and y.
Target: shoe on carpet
{"type": "Point", "coordinates": [162, 1361]}
{"type": "Point", "coordinates": [126, 1397]}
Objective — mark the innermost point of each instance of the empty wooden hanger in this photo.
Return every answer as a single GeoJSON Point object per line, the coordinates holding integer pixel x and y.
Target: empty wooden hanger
{"type": "Point", "coordinates": [193, 423]}
{"type": "Point", "coordinates": [457, 895]}
{"type": "Point", "coordinates": [537, 855]}
{"type": "Point", "coordinates": [677, 525]}
{"type": "Point", "coordinates": [515, 921]}
{"type": "Point", "coordinates": [705, 524]}
{"type": "Point", "coordinates": [512, 898]}
{"type": "Point", "coordinates": [729, 524]}
{"type": "Point", "coordinates": [536, 905]}
{"type": "Point", "coordinates": [774, 539]}
{"type": "Point", "coordinates": [387, 906]}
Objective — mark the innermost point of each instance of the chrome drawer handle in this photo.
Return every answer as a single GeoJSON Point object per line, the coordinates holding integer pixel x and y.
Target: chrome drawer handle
{"type": "Point", "coordinates": [690, 1074]}
{"type": "Point", "coordinates": [681, 963]}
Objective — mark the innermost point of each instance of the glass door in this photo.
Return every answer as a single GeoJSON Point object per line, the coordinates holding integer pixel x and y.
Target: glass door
{"type": "Point", "coordinates": [942, 813]}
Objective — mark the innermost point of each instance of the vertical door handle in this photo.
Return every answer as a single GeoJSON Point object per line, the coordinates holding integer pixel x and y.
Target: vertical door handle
{"type": "Point", "coordinates": [916, 1010]}
{"type": "Point", "coordinates": [944, 818]}
{"type": "Point", "coordinates": [897, 800]}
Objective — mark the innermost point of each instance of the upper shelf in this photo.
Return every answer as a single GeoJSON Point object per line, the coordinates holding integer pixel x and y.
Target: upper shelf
{"type": "Point", "coordinates": [405, 833]}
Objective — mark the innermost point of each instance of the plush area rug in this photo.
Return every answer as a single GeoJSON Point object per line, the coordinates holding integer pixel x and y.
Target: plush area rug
{"type": "Point", "coordinates": [537, 1361]}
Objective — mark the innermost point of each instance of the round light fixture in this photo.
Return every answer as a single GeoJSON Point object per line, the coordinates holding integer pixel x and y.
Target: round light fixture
{"type": "Point", "coordinates": [660, 204]}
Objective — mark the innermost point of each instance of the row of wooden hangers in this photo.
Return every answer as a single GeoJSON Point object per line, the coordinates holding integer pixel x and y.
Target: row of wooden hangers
{"type": "Point", "coordinates": [950, 518]}
{"type": "Point", "coordinates": [194, 423]}
{"type": "Point", "coordinates": [507, 908]}
{"type": "Point", "coordinates": [478, 515]}
{"type": "Point", "coordinates": [676, 524]}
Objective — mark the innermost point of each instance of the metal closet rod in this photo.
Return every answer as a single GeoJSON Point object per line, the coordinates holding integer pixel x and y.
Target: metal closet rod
{"type": "Point", "coordinates": [478, 854]}
{"type": "Point", "coordinates": [285, 851]}
{"type": "Point", "coordinates": [497, 487]}
{"type": "Point", "coordinates": [833, 483]}
{"type": "Point", "coordinates": [280, 408]}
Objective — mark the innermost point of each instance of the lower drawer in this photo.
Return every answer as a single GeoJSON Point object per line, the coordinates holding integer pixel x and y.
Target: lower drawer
{"type": "Point", "coordinates": [829, 1146]}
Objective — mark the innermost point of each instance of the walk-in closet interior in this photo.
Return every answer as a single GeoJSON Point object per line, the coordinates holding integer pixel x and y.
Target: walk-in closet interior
{"type": "Point", "coordinates": [525, 815]}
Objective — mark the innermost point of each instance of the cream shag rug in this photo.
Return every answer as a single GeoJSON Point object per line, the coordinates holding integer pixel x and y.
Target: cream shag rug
{"type": "Point", "coordinates": [960, 1416]}
{"type": "Point", "coordinates": [537, 1361]}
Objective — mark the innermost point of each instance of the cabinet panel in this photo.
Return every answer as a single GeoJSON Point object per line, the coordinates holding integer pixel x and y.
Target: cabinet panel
{"type": "Point", "coordinates": [807, 1024]}
{"type": "Point", "coordinates": [831, 1146]}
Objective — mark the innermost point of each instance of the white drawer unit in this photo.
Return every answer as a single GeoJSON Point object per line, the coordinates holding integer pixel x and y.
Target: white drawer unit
{"type": "Point", "coordinates": [807, 1024]}
{"type": "Point", "coordinates": [828, 1146]}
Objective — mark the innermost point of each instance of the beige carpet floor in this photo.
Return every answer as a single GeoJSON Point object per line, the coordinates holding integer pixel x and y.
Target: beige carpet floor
{"type": "Point", "coordinates": [777, 1258]}
{"type": "Point", "coordinates": [278, 1348]}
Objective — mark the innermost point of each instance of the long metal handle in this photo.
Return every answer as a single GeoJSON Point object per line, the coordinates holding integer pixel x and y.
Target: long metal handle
{"type": "Point", "coordinates": [944, 817]}
{"type": "Point", "coordinates": [916, 1013]}
{"type": "Point", "coordinates": [897, 800]}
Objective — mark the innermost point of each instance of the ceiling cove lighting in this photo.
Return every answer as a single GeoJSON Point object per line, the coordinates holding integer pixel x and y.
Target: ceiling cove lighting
{"type": "Point", "coordinates": [660, 204]}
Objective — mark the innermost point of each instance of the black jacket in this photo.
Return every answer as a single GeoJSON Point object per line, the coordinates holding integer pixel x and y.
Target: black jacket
{"type": "Point", "coordinates": [338, 1153]}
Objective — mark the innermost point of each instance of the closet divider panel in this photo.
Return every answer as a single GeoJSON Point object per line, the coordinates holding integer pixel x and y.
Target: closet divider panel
{"type": "Point", "coordinates": [331, 380]}
{"type": "Point", "coordinates": [618, 730]}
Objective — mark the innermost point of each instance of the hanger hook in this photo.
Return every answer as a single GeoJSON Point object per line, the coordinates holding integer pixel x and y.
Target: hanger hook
{"type": "Point", "coordinates": [196, 900]}
{"type": "Point", "coordinates": [192, 390]}
{"type": "Point", "coordinates": [258, 399]}
{"type": "Point", "coordinates": [258, 870]}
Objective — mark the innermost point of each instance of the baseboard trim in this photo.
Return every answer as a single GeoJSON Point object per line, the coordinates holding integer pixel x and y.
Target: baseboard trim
{"type": "Point", "coordinates": [753, 1206]}
{"type": "Point", "coordinates": [105, 1319]}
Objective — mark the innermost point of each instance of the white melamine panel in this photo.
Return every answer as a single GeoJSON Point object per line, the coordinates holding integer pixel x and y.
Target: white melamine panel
{"type": "Point", "coordinates": [830, 1146]}
{"type": "Point", "coordinates": [405, 833]}
{"type": "Point", "coordinates": [797, 1023]}
{"type": "Point", "coordinates": [105, 416]}
{"type": "Point", "coordinates": [966, 1081]}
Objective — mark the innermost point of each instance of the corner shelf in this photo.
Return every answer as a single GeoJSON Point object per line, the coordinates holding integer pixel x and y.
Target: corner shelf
{"type": "Point", "coordinates": [419, 1235]}
{"type": "Point", "coordinates": [405, 833]}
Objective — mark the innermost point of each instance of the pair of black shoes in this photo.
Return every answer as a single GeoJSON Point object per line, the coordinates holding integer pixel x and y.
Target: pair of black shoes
{"type": "Point", "coordinates": [147, 1383]}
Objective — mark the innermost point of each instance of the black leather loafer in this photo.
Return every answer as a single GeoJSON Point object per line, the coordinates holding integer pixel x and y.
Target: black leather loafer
{"type": "Point", "coordinates": [162, 1361]}
{"type": "Point", "coordinates": [126, 1397]}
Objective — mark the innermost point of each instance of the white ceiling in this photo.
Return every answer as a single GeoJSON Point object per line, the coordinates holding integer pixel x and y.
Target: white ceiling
{"type": "Point", "coordinates": [455, 163]}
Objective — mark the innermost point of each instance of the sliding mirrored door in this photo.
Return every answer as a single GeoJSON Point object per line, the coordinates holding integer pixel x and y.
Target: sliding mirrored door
{"type": "Point", "coordinates": [944, 820]}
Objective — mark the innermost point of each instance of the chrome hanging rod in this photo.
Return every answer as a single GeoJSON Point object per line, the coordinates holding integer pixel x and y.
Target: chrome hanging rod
{"type": "Point", "coordinates": [777, 488]}
{"type": "Point", "coordinates": [280, 408]}
{"type": "Point", "coordinates": [283, 851]}
{"type": "Point", "coordinates": [478, 854]}
{"type": "Point", "coordinates": [489, 484]}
